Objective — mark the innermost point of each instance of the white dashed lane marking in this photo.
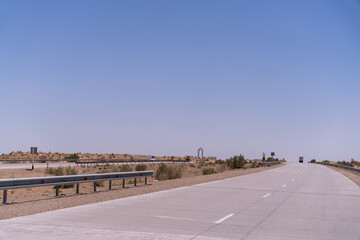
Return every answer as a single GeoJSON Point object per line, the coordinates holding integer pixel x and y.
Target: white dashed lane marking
{"type": "Point", "coordinates": [266, 195]}
{"type": "Point", "coordinates": [224, 218]}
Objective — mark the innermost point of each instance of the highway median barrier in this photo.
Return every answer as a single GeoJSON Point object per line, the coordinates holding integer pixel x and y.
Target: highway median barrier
{"type": "Point", "coordinates": [15, 183]}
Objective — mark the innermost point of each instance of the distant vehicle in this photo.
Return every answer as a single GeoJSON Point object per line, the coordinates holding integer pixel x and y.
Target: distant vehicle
{"type": "Point", "coordinates": [153, 158]}
{"type": "Point", "coordinates": [301, 159]}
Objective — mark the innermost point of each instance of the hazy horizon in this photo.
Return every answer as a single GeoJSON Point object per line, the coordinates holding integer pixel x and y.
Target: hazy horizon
{"type": "Point", "coordinates": [165, 78]}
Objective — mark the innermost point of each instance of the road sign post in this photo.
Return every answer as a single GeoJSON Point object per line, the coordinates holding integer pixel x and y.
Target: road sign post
{"type": "Point", "coordinates": [33, 150]}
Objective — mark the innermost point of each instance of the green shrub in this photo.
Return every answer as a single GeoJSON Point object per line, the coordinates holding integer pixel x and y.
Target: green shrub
{"type": "Point", "coordinates": [70, 171]}
{"type": "Point", "coordinates": [254, 165]}
{"type": "Point", "coordinates": [346, 164]}
{"type": "Point", "coordinates": [313, 161]}
{"type": "Point", "coordinates": [220, 162]}
{"type": "Point", "coordinates": [271, 159]}
{"type": "Point", "coordinates": [207, 171]}
{"type": "Point", "coordinates": [72, 156]}
{"type": "Point", "coordinates": [125, 168]}
{"type": "Point", "coordinates": [236, 162]}
{"type": "Point", "coordinates": [59, 171]}
{"type": "Point", "coordinates": [140, 167]}
{"type": "Point", "coordinates": [192, 165]}
{"type": "Point", "coordinates": [221, 168]}
{"type": "Point", "coordinates": [99, 184]}
{"type": "Point", "coordinates": [49, 170]}
{"type": "Point", "coordinates": [164, 172]}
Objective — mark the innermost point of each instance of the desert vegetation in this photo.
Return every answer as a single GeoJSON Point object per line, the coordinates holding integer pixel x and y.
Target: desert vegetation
{"type": "Point", "coordinates": [19, 155]}
{"type": "Point", "coordinates": [165, 172]}
{"type": "Point", "coordinates": [236, 162]}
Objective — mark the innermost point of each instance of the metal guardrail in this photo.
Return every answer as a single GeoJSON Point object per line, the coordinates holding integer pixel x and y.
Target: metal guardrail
{"type": "Point", "coordinates": [128, 161]}
{"type": "Point", "coordinates": [78, 161]}
{"type": "Point", "coordinates": [35, 160]}
{"type": "Point", "coordinates": [269, 163]}
{"type": "Point", "coordinates": [15, 183]}
{"type": "Point", "coordinates": [342, 166]}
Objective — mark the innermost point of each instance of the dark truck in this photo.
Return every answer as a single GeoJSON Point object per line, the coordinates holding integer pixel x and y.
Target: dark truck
{"type": "Point", "coordinates": [301, 159]}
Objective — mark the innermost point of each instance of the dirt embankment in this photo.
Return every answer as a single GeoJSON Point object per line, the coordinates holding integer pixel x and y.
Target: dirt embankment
{"type": "Point", "coordinates": [42, 199]}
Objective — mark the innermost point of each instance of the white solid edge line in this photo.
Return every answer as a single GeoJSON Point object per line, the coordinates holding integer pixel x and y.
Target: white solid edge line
{"type": "Point", "coordinates": [224, 218]}
{"type": "Point", "coordinates": [283, 185]}
{"type": "Point", "coordinates": [266, 195]}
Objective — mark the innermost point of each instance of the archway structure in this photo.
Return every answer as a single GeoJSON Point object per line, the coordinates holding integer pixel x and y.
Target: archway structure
{"type": "Point", "coordinates": [202, 152]}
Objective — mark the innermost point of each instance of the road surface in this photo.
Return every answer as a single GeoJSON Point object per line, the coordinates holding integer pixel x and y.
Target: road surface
{"type": "Point", "coordinates": [36, 165]}
{"type": "Point", "coordinates": [297, 201]}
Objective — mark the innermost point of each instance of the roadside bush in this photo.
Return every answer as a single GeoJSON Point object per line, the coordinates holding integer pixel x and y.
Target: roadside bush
{"type": "Point", "coordinates": [346, 164]}
{"type": "Point", "coordinates": [70, 171]}
{"type": "Point", "coordinates": [271, 159]}
{"type": "Point", "coordinates": [236, 162]}
{"type": "Point", "coordinates": [207, 171]}
{"type": "Point", "coordinates": [140, 167]}
{"type": "Point", "coordinates": [165, 172]}
{"type": "Point", "coordinates": [59, 171]}
{"type": "Point", "coordinates": [99, 184]}
{"type": "Point", "coordinates": [125, 168]}
{"type": "Point", "coordinates": [72, 156]}
{"type": "Point", "coordinates": [220, 162]}
{"type": "Point", "coordinates": [192, 165]}
{"type": "Point", "coordinates": [313, 161]}
{"type": "Point", "coordinates": [254, 165]}
{"type": "Point", "coordinates": [221, 168]}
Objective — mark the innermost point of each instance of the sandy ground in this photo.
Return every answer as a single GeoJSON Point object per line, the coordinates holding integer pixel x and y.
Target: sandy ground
{"type": "Point", "coordinates": [349, 174]}
{"type": "Point", "coordinates": [41, 199]}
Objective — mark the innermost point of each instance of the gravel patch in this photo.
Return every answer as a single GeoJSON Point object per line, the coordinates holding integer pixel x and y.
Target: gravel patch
{"type": "Point", "coordinates": [30, 205]}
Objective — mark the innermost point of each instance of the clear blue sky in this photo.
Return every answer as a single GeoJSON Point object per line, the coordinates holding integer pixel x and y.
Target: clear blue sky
{"type": "Point", "coordinates": [166, 77]}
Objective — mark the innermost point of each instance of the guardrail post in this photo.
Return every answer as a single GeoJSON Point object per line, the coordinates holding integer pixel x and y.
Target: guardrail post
{"type": "Point", "coordinates": [94, 186]}
{"type": "Point", "coordinates": [110, 185]}
{"type": "Point", "coordinates": [145, 180]}
{"type": "Point", "coordinates": [135, 182]}
{"type": "Point", "coordinates": [5, 197]}
{"type": "Point", "coordinates": [124, 183]}
{"type": "Point", "coordinates": [57, 190]}
{"type": "Point", "coordinates": [77, 188]}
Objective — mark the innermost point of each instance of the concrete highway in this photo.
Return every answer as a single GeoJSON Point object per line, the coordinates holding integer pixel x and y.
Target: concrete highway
{"type": "Point", "coordinates": [36, 165]}
{"type": "Point", "coordinates": [297, 201]}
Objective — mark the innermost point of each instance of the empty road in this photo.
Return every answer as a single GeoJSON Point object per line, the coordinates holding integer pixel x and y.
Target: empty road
{"type": "Point", "coordinates": [297, 201]}
{"type": "Point", "coordinates": [36, 165]}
